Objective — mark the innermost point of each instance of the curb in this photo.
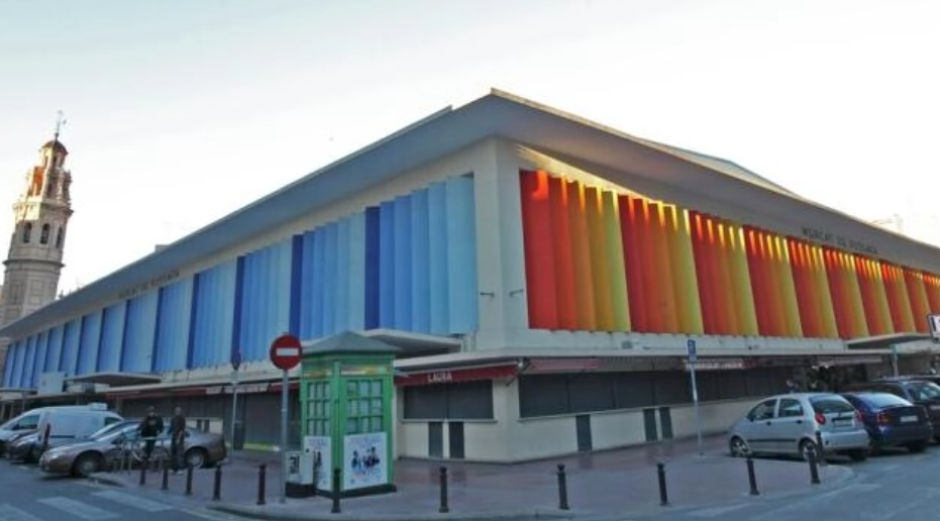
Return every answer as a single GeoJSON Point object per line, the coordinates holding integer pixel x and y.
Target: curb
{"type": "Point", "coordinates": [105, 478]}
{"type": "Point", "coordinates": [254, 512]}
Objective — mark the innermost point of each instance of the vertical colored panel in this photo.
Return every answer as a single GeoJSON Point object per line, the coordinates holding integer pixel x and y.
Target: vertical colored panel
{"type": "Point", "coordinates": [810, 315]}
{"type": "Point", "coordinates": [722, 252]}
{"type": "Point", "coordinates": [788, 289]}
{"type": "Point", "coordinates": [597, 249]}
{"type": "Point", "coordinates": [29, 364]}
{"type": "Point", "coordinates": [194, 303]}
{"type": "Point", "coordinates": [461, 255]}
{"type": "Point", "coordinates": [340, 279]}
{"type": "Point", "coordinates": [265, 311]}
{"type": "Point", "coordinates": [565, 292]}
{"type": "Point", "coordinates": [402, 248]}
{"type": "Point", "coordinates": [687, 292]}
{"type": "Point", "coordinates": [902, 302]}
{"type": "Point", "coordinates": [173, 324]}
{"type": "Point", "coordinates": [838, 293]}
{"type": "Point", "coordinates": [825, 298]}
{"type": "Point", "coordinates": [744, 299]}
{"type": "Point", "coordinates": [420, 262]}
{"type": "Point", "coordinates": [437, 259]}
{"type": "Point", "coordinates": [72, 338]}
{"type": "Point", "coordinates": [655, 319]}
{"type": "Point", "coordinates": [615, 267]}
{"type": "Point", "coordinates": [329, 286]}
{"type": "Point", "coordinates": [373, 265]}
{"type": "Point", "coordinates": [662, 269]}
{"type": "Point", "coordinates": [54, 354]}
{"type": "Point", "coordinates": [90, 343]}
{"type": "Point", "coordinates": [112, 337]}
{"type": "Point", "coordinates": [214, 314]}
{"type": "Point", "coordinates": [705, 282]}
{"type": "Point", "coordinates": [307, 293]}
{"type": "Point", "coordinates": [320, 280]}
{"type": "Point", "coordinates": [632, 260]}
{"type": "Point", "coordinates": [141, 317]}
{"type": "Point", "coordinates": [16, 350]}
{"type": "Point", "coordinates": [42, 350]}
{"type": "Point", "coordinates": [920, 306]}
{"type": "Point", "coordinates": [9, 362]}
{"type": "Point", "coordinates": [356, 282]}
{"type": "Point", "coordinates": [869, 298]}
{"type": "Point", "coordinates": [539, 254]}
{"type": "Point", "coordinates": [387, 265]}
{"type": "Point", "coordinates": [855, 296]}
{"type": "Point", "coordinates": [581, 257]}
{"type": "Point", "coordinates": [296, 282]}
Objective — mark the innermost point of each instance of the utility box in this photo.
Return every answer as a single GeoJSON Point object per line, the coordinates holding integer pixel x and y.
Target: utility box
{"type": "Point", "coordinates": [300, 475]}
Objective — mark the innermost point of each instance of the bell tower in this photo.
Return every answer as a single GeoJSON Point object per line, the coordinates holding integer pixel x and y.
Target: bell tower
{"type": "Point", "coordinates": [41, 215]}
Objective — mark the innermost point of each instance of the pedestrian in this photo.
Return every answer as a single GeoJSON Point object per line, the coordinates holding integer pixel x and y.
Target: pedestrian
{"type": "Point", "coordinates": [150, 427]}
{"type": "Point", "coordinates": [177, 436]}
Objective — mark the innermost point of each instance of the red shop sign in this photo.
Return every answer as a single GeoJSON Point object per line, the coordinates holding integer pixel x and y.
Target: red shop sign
{"type": "Point", "coordinates": [457, 375]}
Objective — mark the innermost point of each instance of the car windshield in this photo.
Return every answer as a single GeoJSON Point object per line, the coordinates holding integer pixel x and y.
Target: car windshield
{"type": "Point", "coordinates": [830, 404]}
{"type": "Point", "coordinates": [924, 391]}
{"type": "Point", "coordinates": [882, 400]}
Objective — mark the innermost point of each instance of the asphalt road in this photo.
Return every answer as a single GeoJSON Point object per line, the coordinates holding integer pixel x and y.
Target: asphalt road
{"type": "Point", "coordinates": [26, 495]}
{"type": "Point", "coordinates": [890, 487]}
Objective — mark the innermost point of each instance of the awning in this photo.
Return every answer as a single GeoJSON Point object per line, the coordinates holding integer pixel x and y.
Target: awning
{"type": "Point", "coordinates": [415, 344]}
{"type": "Point", "coordinates": [116, 379]}
{"type": "Point", "coordinates": [885, 341]}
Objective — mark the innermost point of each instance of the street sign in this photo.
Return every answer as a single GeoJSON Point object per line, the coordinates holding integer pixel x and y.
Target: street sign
{"type": "Point", "coordinates": [285, 352]}
{"type": "Point", "coordinates": [690, 347]}
{"type": "Point", "coordinates": [236, 359]}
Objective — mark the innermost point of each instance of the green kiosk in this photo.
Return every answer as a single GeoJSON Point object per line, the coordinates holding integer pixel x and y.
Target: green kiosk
{"type": "Point", "coordinates": [346, 392]}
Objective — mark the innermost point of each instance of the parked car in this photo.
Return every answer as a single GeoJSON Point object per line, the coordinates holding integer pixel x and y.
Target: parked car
{"type": "Point", "coordinates": [12, 441]}
{"type": "Point", "coordinates": [26, 448]}
{"type": "Point", "coordinates": [789, 423]}
{"type": "Point", "coordinates": [18, 426]}
{"type": "Point", "coordinates": [913, 389]}
{"type": "Point", "coordinates": [103, 449]}
{"type": "Point", "coordinates": [892, 421]}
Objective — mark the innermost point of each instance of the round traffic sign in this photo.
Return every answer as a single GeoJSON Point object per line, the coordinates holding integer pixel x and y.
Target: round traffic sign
{"type": "Point", "coordinates": [285, 352]}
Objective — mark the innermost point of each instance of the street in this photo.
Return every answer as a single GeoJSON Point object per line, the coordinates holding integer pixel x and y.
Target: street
{"type": "Point", "coordinates": [891, 487]}
{"type": "Point", "coordinates": [26, 495]}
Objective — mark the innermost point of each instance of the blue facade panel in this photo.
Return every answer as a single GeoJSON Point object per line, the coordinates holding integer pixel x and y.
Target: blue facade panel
{"type": "Point", "coordinates": [54, 353]}
{"type": "Point", "coordinates": [73, 331]}
{"type": "Point", "coordinates": [402, 273]}
{"type": "Point", "coordinates": [418, 259]}
{"type": "Point", "coordinates": [8, 366]}
{"type": "Point", "coordinates": [141, 324]}
{"type": "Point", "coordinates": [355, 306]}
{"type": "Point", "coordinates": [29, 365]}
{"type": "Point", "coordinates": [461, 255]}
{"type": "Point", "coordinates": [173, 320]}
{"type": "Point", "coordinates": [42, 350]}
{"type": "Point", "coordinates": [386, 265]}
{"type": "Point", "coordinates": [90, 343]}
{"type": "Point", "coordinates": [340, 279]}
{"type": "Point", "coordinates": [214, 316]}
{"type": "Point", "coordinates": [372, 268]}
{"type": "Point", "coordinates": [439, 295]}
{"type": "Point", "coordinates": [19, 359]}
{"type": "Point", "coordinates": [112, 337]}
{"type": "Point", "coordinates": [265, 310]}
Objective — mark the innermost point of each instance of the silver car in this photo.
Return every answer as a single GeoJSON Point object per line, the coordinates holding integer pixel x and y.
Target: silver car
{"type": "Point", "coordinates": [789, 424]}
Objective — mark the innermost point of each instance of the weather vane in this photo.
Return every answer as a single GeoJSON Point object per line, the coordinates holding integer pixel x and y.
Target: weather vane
{"type": "Point", "coordinates": [59, 121]}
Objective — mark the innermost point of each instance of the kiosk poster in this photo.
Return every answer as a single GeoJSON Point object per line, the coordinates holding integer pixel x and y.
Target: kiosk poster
{"type": "Point", "coordinates": [318, 447]}
{"type": "Point", "coordinates": [364, 464]}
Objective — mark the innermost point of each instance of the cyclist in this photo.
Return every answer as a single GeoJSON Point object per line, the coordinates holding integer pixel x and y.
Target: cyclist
{"type": "Point", "coordinates": [150, 427]}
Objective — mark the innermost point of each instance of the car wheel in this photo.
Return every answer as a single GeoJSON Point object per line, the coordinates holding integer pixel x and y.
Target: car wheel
{"type": "Point", "coordinates": [738, 448]}
{"type": "Point", "coordinates": [86, 465]}
{"type": "Point", "coordinates": [195, 458]}
{"type": "Point", "coordinates": [917, 446]}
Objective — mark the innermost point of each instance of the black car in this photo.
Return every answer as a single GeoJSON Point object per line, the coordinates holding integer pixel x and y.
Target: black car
{"type": "Point", "coordinates": [913, 389]}
{"type": "Point", "coordinates": [892, 421]}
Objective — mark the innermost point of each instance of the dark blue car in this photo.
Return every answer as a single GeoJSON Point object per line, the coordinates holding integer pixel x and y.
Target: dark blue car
{"type": "Point", "coordinates": [892, 421]}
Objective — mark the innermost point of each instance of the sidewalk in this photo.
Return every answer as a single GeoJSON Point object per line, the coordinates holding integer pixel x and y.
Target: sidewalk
{"type": "Point", "coordinates": [621, 482]}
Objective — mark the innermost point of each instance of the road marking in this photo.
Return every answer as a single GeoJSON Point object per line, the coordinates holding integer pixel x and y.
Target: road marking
{"type": "Point", "coordinates": [808, 503]}
{"type": "Point", "coordinates": [717, 511]}
{"type": "Point", "coordinates": [11, 513]}
{"type": "Point", "coordinates": [77, 508]}
{"type": "Point", "coordinates": [131, 500]}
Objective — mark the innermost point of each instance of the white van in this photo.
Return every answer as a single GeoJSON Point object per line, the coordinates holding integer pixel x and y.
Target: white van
{"type": "Point", "coordinates": [59, 425]}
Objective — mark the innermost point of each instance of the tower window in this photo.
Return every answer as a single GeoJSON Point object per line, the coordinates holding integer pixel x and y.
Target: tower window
{"type": "Point", "coordinates": [59, 237]}
{"type": "Point", "coordinates": [44, 236]}
{"type": "Point", "coordinates": [27, 232]}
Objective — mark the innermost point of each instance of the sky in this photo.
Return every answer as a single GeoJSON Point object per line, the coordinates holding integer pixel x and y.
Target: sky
{"type": "Point", "coordinates": [182, 111]}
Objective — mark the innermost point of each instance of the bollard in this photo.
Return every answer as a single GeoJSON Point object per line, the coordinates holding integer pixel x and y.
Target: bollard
{"type": "Point", "coordinates": [663, 495]}
{"type": "Point", "coordinates": [262, 469]}
{"type": "Point", "coordinates": [751, 478]}
{"type": "Point", "coordinates": [337, 491]}
{"type": "Point", "coordinates": [444, 508]}
{"type": "Point", "coordinates": [165, 485]}
{"type": "Point", "coordinates": [813, 471]}
{"type": "Point", "coordinates": [820, 450]}
{"type": "Point", "coordinates": [562, 488]}
{"type": "Point", "coordinates": [217, 484]}
{"type": "Point", "coordinates": [143, 473]}
{"type": "Point", "coordinates": [189, 481]}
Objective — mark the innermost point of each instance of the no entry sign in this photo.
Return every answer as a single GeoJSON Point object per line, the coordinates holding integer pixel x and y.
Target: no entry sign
{"type": "Point", "coordinates": [285, 352]}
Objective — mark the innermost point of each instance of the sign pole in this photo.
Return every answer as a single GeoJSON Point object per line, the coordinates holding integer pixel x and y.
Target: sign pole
{"type": "Point", "coordinates": [284, 393]}
{"type": "Point", "coordinates": [286, 354]}
{"type": "Point", "coordinates": [693, 359]}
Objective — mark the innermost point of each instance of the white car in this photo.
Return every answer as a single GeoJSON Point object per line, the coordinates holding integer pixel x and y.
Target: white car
{"type": "Point", "coordinates": [789, 423]}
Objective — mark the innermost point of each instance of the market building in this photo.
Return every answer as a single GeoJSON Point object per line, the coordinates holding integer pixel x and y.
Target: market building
{"type": "Point", "coordinates": [541, 275]}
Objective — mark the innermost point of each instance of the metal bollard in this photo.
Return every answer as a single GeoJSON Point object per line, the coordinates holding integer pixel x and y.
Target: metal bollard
{"type": "Point", "coordinates": [820, 450]}
{"type": "Point", "coordinates": [663, 495]}
{"type": "Point", "coordinates": [165, 485]}
{"type": "Point", "coordinates": [337, 491]}
{"type": "Point", "coordinates": [751, 478]}
{"type": "Point", "coordinates": [442, 479]}
{"type": "Point", "coordinates": [189, 481]}
{"type": "Point", "coordinates": [813, 470]}
{"type": "Point", "coordinates": [217, 484]}
{"type": "Point", "coordinates": [262, 477]}
{"type": "Point", "coordinates": [143, 473]}
{"type": "Point", "coordinates": [562, 488]}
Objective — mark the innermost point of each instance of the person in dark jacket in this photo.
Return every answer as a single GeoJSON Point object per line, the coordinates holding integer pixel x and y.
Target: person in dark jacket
{"type": "Point", "coordinates": [177, 435]}
{"type": "Point", "coordinates": [150, 427]}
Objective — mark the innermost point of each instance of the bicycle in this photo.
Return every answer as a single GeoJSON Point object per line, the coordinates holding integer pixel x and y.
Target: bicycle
{"type": "Point", "coordinates": [134, 451]}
